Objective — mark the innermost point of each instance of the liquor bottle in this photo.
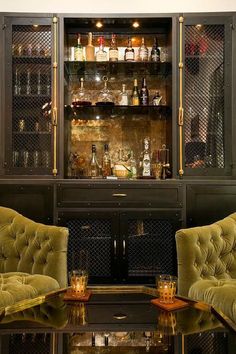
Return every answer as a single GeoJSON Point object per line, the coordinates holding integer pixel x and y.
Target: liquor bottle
{"type": "Point", "coordinates": [48, 85]}
{"type": "Point", "coordinates": [101, 54]}
{"type": "Point", "coordinates": [94, 166]}
{"type": "Point", "coordinates": [106, 162]}
{"type": "Point", "coordinates": [144, 95]}
{"type": "Point", "coordinates": [105, 96]}
{"type": "Point", "coordinates": [39, 86]}
{"type": "Point", "coordinates": [155, 52]}
{"type": "Point", "coordinates": [113, 50]}
{"type": "Point", "coordinates": [28, 84]}
{"type": "Point", "coordinates": [79, 55]}
{"type": "Point", "coordinates": [89, 49]}
{"type": "Point", "coordinates": [17, 86]}
{"type": "Point", "coordinates": [133, 165]}
{"type": "Point", "coordinates": [135, 100]}
{"type": "Point", "coordinates": [81, 97]}
{"type": "Point", "coordinates": [129, 51]}
{"type": "Point", "coordinates": [123, 98]}
{"type": "Point", "coordinates": [146, 160]}
{"type": "Point", "coordinates": [143, 51]}
{"type": "Point", "coordinates": [156, 99]}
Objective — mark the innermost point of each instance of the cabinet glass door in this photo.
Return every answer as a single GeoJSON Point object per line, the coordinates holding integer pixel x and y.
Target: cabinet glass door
{"type": "Point", "coordinates": [148, 245]}
{"type": "Point", "coordinates": [28, 124]}
{"type": "Point", "coordinates": [102, 108]}
{"type": "Point", "coordinates": [207, 95]}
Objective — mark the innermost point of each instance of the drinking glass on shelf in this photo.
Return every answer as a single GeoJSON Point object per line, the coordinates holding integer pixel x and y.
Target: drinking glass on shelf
{"type": "Point", "coordinates": [25, 158]}
{"type": "Point", "coordinates": [46, 158]}
{"type": "Point", "coordinates": [36, 158]}
{"type": "Point", "coordinates": [15, 159]}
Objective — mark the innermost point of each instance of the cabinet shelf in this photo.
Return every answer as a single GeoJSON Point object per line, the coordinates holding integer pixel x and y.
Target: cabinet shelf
{"type": "Point", "coordinates": [31, 133]}
{"type": "Point", "coordinates": [103, 112]}
{"type": "Point", "coordinates": [32, 60]}
{"type": "Point", "coordinates": [119, 67]}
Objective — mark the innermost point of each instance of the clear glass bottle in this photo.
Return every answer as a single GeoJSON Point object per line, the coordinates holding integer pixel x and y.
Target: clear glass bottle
{"type": "Point", "coordinates": [89, 49]}
{"type": "Point", "coordinates": [106, 162]}
{"type": "Point", "coordinates": [135, 100]}
{"type": "Point", "coordinates": [17, 86]}
{"type": "Point", "coordinates": [82, 96]}
{"type": "Point", "coordinates": [144, 94]}
{"type": "Point", "coordinates": [129, 51]}
{"type": "Point", "coordinates": [146, 159]}
{"type": "Point", "coordinates": [123, 99]}
{"type": "Point", "coordinates": [113, 50]}
{"type": "Point", "coordinates": [28, 83]}
{"type": "Point", "coordinates": [133, 165]}
{"type": "Point", "coordinates": [79, 54]}
{"type": "Point", "coordinates": [39, 86]}
{"type": "Point", "coordinates": [155, 52]}
{"type": "Point", "coordinates": [94, 168]}
{"type": "Point", "coordinates": [105, 97]}
{"type": "Point", "coordinates": [101, 54]}
{"type": "Point", "coordinates": [143, 51]}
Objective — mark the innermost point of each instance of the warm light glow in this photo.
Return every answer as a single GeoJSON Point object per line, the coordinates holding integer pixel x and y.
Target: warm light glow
{"type": "Point", "coordinates": [35, 26]}
{"type": "Point", "coordinates": [99, 24]}
{"type": "Point", "coordinates": [198, 26]}
{"type": "Point", "coordinates": [135, 24]}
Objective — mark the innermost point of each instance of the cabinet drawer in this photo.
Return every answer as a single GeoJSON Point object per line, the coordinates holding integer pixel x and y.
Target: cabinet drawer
{"type": "Point", "coordinates": [119, 195]}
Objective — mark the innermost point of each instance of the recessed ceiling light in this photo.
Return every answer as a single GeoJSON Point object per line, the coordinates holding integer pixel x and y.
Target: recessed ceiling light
{"type": "Point", "coordinates": [99, 24]}
{"type": "Point", "coordinates": [35, 26]}
{"type": "Point", "coordinates": [135, 24]}
{"type": "Point", "coordinates": [198, 26]}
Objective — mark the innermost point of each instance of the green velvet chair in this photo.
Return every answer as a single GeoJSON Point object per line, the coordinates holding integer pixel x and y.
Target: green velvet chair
{"type": "Point", "coordinates": [207, 264]}
{"type": "Point", "coordinates": [33, 258]}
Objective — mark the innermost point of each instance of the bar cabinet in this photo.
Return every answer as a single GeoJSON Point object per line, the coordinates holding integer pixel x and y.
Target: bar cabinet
{"type": "Point", "coordinates": [65, 106]}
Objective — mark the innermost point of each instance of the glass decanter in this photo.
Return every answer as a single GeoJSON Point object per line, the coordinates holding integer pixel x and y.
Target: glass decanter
{"type": "Point", "coordinates": [81, 97]}
{"type": "Point", "coordinates": [105, 96]}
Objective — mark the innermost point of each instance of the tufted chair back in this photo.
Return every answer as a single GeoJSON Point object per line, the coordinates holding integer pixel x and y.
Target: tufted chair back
{"type": "Point", "coordinates": [206, 252]}
{"type": "Point", "coordinates": [30, 247]}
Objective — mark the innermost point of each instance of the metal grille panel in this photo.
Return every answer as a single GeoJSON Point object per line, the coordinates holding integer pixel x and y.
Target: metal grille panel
{"type": "Point", "coordinates": [147, 239]}
{"type": "Point", "coordinates": [31, 99]}
{"type": "Point", "coordinates": [204, 96]}
{"type": "Point", "coordinates": [205, 343]}
{"type": "Point", "coordinates": [90, 244]}
{"type": "Point", "coordinates": [28, 343]}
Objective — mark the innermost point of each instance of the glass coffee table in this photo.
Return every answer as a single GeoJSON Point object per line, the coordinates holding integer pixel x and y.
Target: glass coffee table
{"type": "Point", "coordinates": [114, 320]}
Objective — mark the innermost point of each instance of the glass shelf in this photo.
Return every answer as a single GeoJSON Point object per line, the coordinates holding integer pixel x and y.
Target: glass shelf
{"type": "Point", "coordinates": [119, 67]}
{"type": "Point", "coordinates": [31, 60]}
{"type": "Point", "coordinates": [104, 112]}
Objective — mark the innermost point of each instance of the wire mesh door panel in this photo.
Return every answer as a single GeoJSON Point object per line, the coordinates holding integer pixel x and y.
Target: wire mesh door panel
{"type": "Point", "coordinates": [89, 247]}
{"type": "Point", "coordinates": [207, 342]}
{"type": "Point", "coordinates": [29, 128]}
{"type": "Point", "coordinates": [150, 247]}
{"type": "Point", "coordinates": [205, 96]}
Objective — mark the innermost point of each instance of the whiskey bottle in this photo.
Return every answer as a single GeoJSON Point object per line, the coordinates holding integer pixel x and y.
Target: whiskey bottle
{"type": "Point", "coordinates": [94, 166]}
{"type": "Point", "coordinates": [156, 99]}
{"type": "Point", "coordinates": [79, 55]}
{"type": "Point", "coordinates": [146, 161]}
{"type": "Point", "coordinates": [123, 98]}
{"type": "Point", "coordinates": [135, 100]}
{"type": "Point", "coordinates": [82, 96]}
{"type": "Point", "coordinates": [106, 162]}
{"type": "Point", "coordinates": [113, 50]}
{"type": "Point", "coordinates": [101, 54]}
{"type": "Point", "coordinates": [89, 49]}
{"type": "Point", "coordinates": [129, 51]}
{"type": "Point", "coordinates": [144, 95]}
{"type": "Point", "coordinates": [143, 51]}
{"type": "Point", "coordinates": [155, 52]}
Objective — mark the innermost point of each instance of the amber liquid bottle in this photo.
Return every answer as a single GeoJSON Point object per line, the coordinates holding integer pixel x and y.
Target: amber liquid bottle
{"type": "Point", "coordinates": [135, 99]}
{"type": "Point", "coordinates": [113, 50]}
{"type": "Point", "coordinates": [89, 49]}
{"type": "Point", "coordinates": [129, 51]}
{"type": "Point", "coordinates": [106, 162]}
{"type": "Point", "coordinates": [94, 166]}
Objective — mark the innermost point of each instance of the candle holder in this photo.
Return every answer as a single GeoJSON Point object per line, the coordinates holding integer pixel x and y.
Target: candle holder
{"type": "Point", "coordinates": [78, 286]}
{"type": "Point", "coordinates": [166, 287]}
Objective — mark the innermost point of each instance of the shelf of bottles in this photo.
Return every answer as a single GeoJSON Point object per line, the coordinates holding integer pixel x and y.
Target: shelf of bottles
{"type": "Point", "coordinates": [31, 141]}
{"type": "Point", "coordinates": [118, 86]}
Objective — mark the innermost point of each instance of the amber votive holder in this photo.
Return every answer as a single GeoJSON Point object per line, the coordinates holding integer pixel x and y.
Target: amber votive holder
{"type": "Point", "coordinates": [166, 288]}
{"type": "Point", "coordinates": [78, 282]}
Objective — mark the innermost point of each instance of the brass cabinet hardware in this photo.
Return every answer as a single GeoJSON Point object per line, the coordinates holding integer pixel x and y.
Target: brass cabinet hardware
{"type": "Point", "coordinates": [54, 93]}
{"type": "Point", "coordinates": [119, 195]}
{"type": "Point", "coordinates": [124, 247]}
{"type": "Point", "coordinates": [181, 110]}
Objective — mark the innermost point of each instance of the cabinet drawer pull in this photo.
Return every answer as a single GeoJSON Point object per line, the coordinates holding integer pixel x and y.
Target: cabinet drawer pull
{"type": "Point", "coordinates": [124, 246]}
{"type": "Point", "coordinates": [115, 247]}
{"type": "Point", "coordinates": [119, 195]}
